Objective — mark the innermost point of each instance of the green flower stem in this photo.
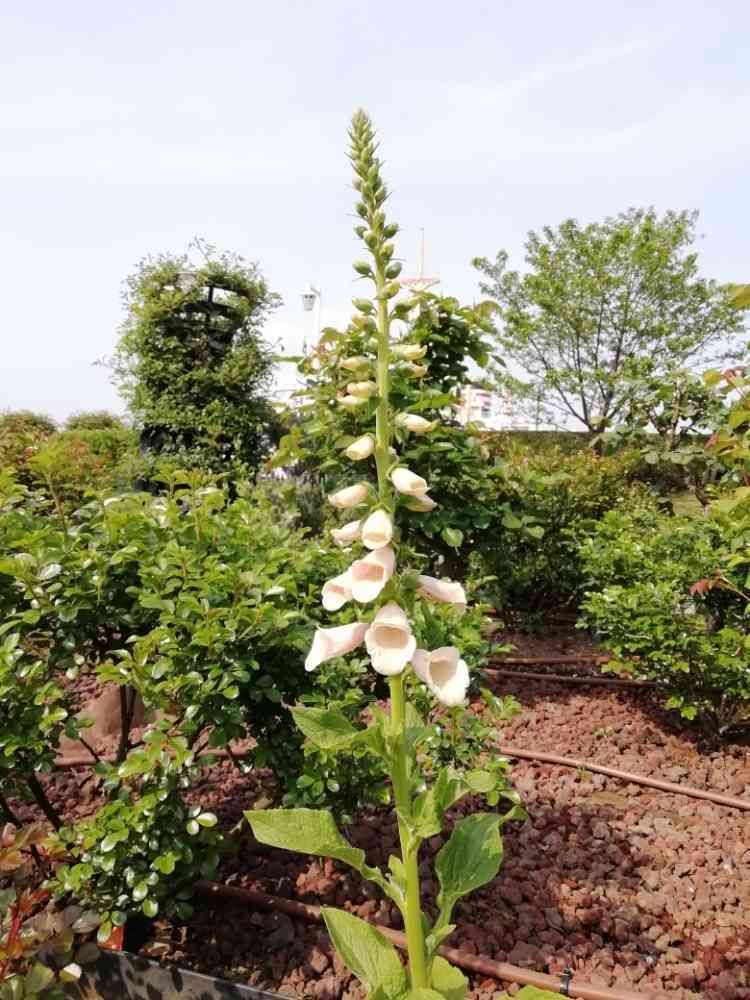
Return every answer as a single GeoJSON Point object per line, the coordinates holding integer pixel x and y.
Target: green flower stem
{"type": "Point", "coordinates": [382, 425]}
{"type": "Point", "coordinates": [413, 915]}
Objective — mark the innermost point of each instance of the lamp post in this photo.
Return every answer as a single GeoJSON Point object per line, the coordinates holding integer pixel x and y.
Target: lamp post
{"type": "Point", "coordinates": [312, 300]}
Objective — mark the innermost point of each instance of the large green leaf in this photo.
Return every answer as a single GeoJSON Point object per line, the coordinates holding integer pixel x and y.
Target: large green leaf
{"type": "Point", "coordinates": [470, 859]}
{"type": "Point", "coordinates": [449, 981]}
{"type": "Point", "coordinates": [327, 729]}
{"type": "Point", "coordinates": [309, 831]}
{"type": "Point", "coordinates": [372, 959]}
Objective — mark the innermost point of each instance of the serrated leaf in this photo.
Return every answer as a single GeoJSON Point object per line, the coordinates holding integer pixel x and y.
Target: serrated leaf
{"type": "Point", "coordinates": [364, 950]}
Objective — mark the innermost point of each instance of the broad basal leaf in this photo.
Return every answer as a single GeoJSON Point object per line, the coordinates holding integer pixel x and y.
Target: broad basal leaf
{"type": "Point", "coordinates": [372, 959]}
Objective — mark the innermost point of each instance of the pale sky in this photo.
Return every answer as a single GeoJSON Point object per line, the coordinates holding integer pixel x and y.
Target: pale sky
{"type": "Point", "coordinates": [128, 129]}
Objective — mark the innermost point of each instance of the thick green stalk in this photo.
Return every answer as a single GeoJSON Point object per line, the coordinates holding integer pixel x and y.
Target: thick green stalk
{"type": "Point", "coordinates": [382, 426]}
{"type": "Point", "coordinates": [400, 778]}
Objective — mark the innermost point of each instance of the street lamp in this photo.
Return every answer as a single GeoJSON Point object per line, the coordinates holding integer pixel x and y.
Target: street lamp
{"type": "Point", "coordinates": [312, 300]}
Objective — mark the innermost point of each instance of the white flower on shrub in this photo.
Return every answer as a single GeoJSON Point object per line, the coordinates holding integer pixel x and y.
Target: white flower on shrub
{"type": "Point", "coordinates": [346, 534]}
{"type": "Point", "coordinates": [337, 641]}
{"type": "Point", "coordinates": [422, 505]}
{"type": "Point", "coordinates": [389, 640]}
{"type": "Point", "coordinates": [350, 496]}
{"type": "Point", "coordinates": [361, 448]}
{"type": "Point", "coordinates": [337, 592]}
{"type": "Point", "coordinates": [377, 530]}
{"type": "Point", "coordinates": [444, 673]}
{"type": "Point", "coordinates": [408, 482]}
{"type": "Point", "coordinates": [370, 575]}
{"type": "Point", "coordinates": [415, 424]}
{"type": "Point", "coordinates": [446, 591]}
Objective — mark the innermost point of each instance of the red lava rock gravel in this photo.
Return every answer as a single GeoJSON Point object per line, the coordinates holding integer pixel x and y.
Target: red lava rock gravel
{"type": "Point", "coordinates": [628, 886]}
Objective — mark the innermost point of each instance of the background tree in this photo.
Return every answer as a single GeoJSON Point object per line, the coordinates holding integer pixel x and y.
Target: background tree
{"type": "Point", "coordinates": [192, 364]}
{"type": "Point", "coordinates": [603, 307]}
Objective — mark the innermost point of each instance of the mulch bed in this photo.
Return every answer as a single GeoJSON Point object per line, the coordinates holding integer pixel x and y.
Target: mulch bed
{"type": "Point", "coordinates": [627, 886]}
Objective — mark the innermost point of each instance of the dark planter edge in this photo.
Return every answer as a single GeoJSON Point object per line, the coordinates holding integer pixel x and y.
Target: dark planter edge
{"type": "Point", "coordinates": [120, 975]}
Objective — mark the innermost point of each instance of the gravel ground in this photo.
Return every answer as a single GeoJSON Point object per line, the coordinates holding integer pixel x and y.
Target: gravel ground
{"type": "Point", "coordinates": [627, 886]}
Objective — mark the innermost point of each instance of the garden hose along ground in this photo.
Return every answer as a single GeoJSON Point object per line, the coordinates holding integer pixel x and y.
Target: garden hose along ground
{"type": "Point", "coordinates": [471, 963]}
{"type": "Point", "coordinates": [731, 801]}
{"type": "Point", "coordinates": [569, 678]}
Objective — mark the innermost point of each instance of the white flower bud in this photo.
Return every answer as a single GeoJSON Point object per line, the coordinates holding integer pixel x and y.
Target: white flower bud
{"type": "Point", "coordinates": [361, 448]}
{"type": "Point", "coordinates": [362, 390]}
{"type": "Point", "coordinates": [414, 423]}
{"type": "Point", "coordinates": [347, 534]}
{"type": "Point", "coordinates": [355, 363]}
{"type": "Point", "coordinates": [350, 496]}
{"type": "Point", "coordinates": [422, 505]}
{"type": "Point", "coordinates": [408, 482]}
{"type": "Point", "coordinates": [377, 530]}
{"type": "Point", "coordinates": [446, 591]}
{"type": "Point", "coordinates": [408, 352]}
{"type": "Point", "coordinates": [351, 402]}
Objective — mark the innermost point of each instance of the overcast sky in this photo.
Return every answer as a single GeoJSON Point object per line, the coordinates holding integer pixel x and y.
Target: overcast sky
{"type": "Point", "coordinates": [129, 128]}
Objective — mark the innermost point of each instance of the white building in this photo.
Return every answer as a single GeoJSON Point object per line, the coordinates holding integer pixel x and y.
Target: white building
{"type": "Point", "coordinates": [493, 410]}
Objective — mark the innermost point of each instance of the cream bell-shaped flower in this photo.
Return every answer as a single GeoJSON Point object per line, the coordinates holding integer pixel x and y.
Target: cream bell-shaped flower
{"type": "Point", "coordinates": [377, 530]}
{"type": "Point", "coordinates": [361, 448]}
{"type": "Point", "coordinates": [370, 575]}
{"type": "Point", "coordinates": [353, 364]}
{"type": "Point", "coordinates": [408, 482]}
{"type": "Point", "coordinates": [422, 505]}
{"type": "Point", "coordinates": [351, 402]}
{"type": "Point", "coordinates": [414, 423]}
{"type": "Point", "coordinates": [350, 496]}
{"type": "Point", "coordinates": [347, 534]}
{"type": "Point", "coordinates": [330, 642]}
{"type": "Point", "coordinates": [362, 390]}
{"type": "Point", "coordinates": [389, 640]}
{"type": "Point", "coordinates": [444, 673]}
{"type": "Point", "coordinates": [441, 590]}
{"type": "Point", "coordinates": [337, 592]}
{"type": "Point", "coordinates": [414, 371]}
{"type": "Point", "coordinates": [408, 352]}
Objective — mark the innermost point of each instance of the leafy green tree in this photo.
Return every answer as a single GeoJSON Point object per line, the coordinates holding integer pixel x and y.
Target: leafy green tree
{"type": "Point", "coordinates": [93, 420]}
{"type": "Point", "coordinates": [192, 363]}
{"type": "Point", "coordinates": [603, 307]}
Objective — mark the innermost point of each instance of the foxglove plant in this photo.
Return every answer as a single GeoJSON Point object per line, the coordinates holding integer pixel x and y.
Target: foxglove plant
{"type": "Point", "coordinates": [388, 597]}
